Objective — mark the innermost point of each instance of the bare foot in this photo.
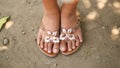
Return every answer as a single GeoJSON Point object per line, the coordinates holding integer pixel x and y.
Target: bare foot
{"type": "Point", "coordinates": [71, 35]}
{"type": "Point", "coordinates": [48, 34]}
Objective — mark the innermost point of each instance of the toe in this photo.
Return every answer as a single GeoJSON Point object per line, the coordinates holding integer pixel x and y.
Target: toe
{"type": "Point", "coordinates": [69, 43]}
{"type": "Point", "coordinates": [46, 46]}
{"type": "Point", "coordinates": [80, 37]}
{"type": "Point", "coordinates": [73, 44]}
{"type": "Point", "coordinates": [41, 44]}
{"type": "Point", "coordinates": [77, 42]}
{"type": "Point", "coordinates": [39, 37]}
{"type": "Point", "coordinates": [63, 45]}
{"type": "Point", "coordinates": [56, 48]}
{"type": "Point", "coordinates": [49, 47]}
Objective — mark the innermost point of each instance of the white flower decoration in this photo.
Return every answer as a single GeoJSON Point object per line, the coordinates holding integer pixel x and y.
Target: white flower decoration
{"type": "Point", "coordinates": [51, 37]}
{"type": "Point", "coordinates": [67, 34]}
{"type": "Point", "coordinates": [56, 40]}
{"type": "Point", "coordinates": [49, 33]}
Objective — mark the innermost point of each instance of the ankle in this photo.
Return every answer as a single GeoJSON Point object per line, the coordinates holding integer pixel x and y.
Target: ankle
{"type": "Point", "coordinates": [52, 12]}
{"type": "Point", "coordinates": [68, 12]}
{"type": "Point", "coordinates": [71, 14]}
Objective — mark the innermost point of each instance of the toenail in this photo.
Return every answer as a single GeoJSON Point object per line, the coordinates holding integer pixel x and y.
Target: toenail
{"type": "Point", "coordinates": [41, 46]}
{"type": "Point", "coordinates": [49, 51]}
{"type": "Point", "coordinates": [62, 48]}
{"type": "Point", "coordinates": [55, 50]}
{"type": "Point", "coordinates": [73, 47]}
{"type": "Point", "coordinates": [69, 49]}
{"type": "Point", "coordinates": [45, 49]}
{"type": "Point", "coordinates": [81, 40]}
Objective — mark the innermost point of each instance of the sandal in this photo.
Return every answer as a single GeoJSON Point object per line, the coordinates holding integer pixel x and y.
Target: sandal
{"type": "Point", "coordinates": [68, 34]}
{"type": "Point", "coordinates": [49, 37]}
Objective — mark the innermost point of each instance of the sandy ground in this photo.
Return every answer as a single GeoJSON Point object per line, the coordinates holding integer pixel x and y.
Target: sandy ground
{"type": "Point", "coordinates": [99, 50]}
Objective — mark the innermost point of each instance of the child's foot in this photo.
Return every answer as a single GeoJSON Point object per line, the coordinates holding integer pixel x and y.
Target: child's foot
{"type": "Point", "coordinates": [71, 35]}
{"type": "Point", "coordinates": [48, 34]}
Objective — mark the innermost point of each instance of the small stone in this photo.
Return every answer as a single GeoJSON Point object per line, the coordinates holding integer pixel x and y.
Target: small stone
{"type": "Point", "coordinates": [5, 41]}
{"type": "Point", "coordinates": [23, 32]}
{"type": "Point", "coordinates": [33, 29]}
{"type": "Point", "coordinates": [55, 64]}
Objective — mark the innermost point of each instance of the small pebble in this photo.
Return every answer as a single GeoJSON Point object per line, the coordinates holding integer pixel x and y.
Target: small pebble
{"type": "Point", "coordinates": [33, 29]}
{"type": "Point", "coordinates": [5, 41]}
{"type": "Point", "coordinates": [23, 32]}
{"type": "Point", "coordinates": [55, 64]}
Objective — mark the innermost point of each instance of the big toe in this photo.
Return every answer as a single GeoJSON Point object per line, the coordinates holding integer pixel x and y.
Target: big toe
{"type": "Point", "coordinates": [56, 48]}
{"type": "Point", "coordinates": [63, 45]}
{"type": "Point", "coordinates": [46, 46]}
{"type": "Point", "coordinates": [49, 47]}
{"type": "Point", "coordinates": [69, 45]}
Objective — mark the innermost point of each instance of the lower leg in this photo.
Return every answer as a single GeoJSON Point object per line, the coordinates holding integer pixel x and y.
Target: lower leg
{"type": "Point", "coordinates": [69, 20]}
{"type": "Point", "coordinates": [51, 14]}
{"type": "Point", "coordinates": [50, 6]}
{"type": "Point", "coordinates": [69, 11]}
{"type": "Point", "coordinates": [50, 22]}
